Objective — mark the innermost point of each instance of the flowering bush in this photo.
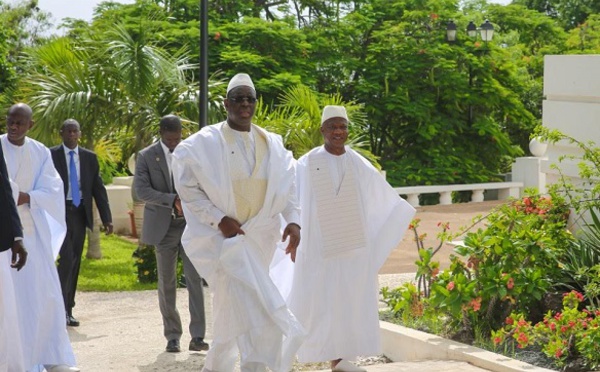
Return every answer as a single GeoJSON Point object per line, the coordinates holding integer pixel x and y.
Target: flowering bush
{"type": "Point", "coordinates": [501, 268]}
{"type": "Point", "coordinates": [563, 336]}
{"type": "Point", "coordinates": [505, 266]}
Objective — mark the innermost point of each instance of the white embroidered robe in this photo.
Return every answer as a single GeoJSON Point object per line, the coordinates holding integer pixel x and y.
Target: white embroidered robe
{"type": "Point", "coordinates": [41, 311]}
{"type": "Point", "coordinates": [249, 312]}
{"type": "Point", "coordinates": [351, 220]}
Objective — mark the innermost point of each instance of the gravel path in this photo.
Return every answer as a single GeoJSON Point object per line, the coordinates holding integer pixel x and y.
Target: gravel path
{"type": "Point", "coordinates": [122, 331]}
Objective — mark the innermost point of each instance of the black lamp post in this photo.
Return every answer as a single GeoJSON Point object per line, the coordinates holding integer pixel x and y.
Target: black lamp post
{"type": "Point", "coordinates": [203, 78]}
{"type": "Point", "coordinates": [486, 31]}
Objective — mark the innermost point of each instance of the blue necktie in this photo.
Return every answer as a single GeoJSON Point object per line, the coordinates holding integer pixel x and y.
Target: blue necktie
{"type": "Point", "coordinates": [74, 184]}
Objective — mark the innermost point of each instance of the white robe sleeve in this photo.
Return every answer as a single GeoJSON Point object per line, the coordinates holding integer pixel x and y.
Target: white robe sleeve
{"type": "Point", "coordinates": [190, 191]}
{"type": "Point", "coordinates": [47, 199]}
{"type": "Point", "coordinates": [48, 190]}
{"type": "Point", "coordinates": [15, 190]}
{"type": "Point", "coordinates": [291, 213]}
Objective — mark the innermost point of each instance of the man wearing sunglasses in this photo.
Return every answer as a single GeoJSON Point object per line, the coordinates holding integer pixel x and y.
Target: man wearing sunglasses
{"type": "Point", "coordinates": [236, 182]}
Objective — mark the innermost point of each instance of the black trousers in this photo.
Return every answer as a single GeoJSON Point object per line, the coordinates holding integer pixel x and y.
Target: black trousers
{"type": "Point", "coordinates": [71, 251]}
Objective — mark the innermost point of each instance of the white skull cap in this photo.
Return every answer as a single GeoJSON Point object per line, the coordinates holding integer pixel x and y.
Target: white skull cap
{"type": "Point", "coordinates": [240, 80]}
{"type": "Point", "coordinates": [334, 112]}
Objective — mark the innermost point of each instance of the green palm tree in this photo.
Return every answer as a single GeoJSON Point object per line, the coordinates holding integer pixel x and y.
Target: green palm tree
{"type": "Point", "coordinates": [117, 84]}
{"type": "Point", "coordinates": [113, 83]}
{"type": "Point", "coordinates": [298, 120]}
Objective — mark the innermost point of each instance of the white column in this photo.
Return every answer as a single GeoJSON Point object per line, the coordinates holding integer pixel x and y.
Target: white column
{"type": "Point", "coordinates": [528, 170]}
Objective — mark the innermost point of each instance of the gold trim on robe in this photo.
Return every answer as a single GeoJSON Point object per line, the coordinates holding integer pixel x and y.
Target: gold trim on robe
{"type": "Point", "coordinates": [249, 190]}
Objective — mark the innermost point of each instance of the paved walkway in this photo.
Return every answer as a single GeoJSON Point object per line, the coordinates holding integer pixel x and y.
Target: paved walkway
{"type": "Point", "coordinates": [122, 331]}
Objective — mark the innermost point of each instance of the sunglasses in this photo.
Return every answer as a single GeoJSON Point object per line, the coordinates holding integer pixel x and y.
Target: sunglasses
{"type": "Point", "coordinates": [240, 99]}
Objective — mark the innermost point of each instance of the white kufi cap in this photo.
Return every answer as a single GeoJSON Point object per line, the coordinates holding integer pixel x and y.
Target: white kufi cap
{"type": "Point", "coordinates": [240, 80]}
{"type": "Point", "coordinates": [333, 112]}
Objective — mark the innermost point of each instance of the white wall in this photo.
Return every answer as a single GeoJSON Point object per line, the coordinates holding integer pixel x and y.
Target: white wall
{"type": "Point", "coordinates": [119, 197]}
{"type": "Point", "coordinates": [571, 105]}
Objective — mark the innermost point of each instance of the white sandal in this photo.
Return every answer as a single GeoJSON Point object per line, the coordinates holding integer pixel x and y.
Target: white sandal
{"type": "Point", "coordinates": [344, 366]}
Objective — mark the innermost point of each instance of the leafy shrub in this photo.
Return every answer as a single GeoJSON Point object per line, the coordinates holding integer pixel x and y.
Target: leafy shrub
{"type": "Point", "coordinates": [581, 263]}
{"type": "Point", "coordinates": [563, 336]}
{"type": "Point", "coordinates": [145, 262]}
{"type": "Point", "coordinates": [506, 266]}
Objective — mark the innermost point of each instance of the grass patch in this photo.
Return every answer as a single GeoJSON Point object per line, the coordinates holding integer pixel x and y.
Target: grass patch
{"type": "Point", "coordinates": [115, 271]}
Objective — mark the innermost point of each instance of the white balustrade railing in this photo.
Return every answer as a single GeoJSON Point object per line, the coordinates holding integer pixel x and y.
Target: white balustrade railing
{"type": "Point", "coordinates": [505, 191]}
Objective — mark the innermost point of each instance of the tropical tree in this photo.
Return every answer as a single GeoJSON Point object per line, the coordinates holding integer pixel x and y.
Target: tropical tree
{"type": "Point", "coordinates": [298, 120]}
{"type": "Point", "coordinates": [116, 85]}
{"type": "Point", "coordinates": [21, 25]}
{"type": "Point", "coordinates": [569, 13]}
{"type": "Point", "coordinates": [437, 112]}
{"type": "Point", "coordinates": [585, 38]}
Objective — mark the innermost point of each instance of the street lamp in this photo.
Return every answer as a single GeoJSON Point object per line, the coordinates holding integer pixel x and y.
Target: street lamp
{"type": "Point", "coordinates": [451, 32]}
{"type": "Point", "coordinates": [203, 78]}
{"type": "Point", "coordinates": [472, 30]}
{"type": "Point", "coordinates": [486, 31]}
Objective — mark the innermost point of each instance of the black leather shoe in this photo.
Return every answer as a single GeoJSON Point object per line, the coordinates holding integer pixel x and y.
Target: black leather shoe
{"type": "Point", "coordinates": [71, 321]}
{"type": "Point", "coordinates": [173, 346]}
{"type": "Point", "coordinates": [198, 344]}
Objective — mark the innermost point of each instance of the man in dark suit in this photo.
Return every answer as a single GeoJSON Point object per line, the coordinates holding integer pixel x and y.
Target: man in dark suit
{"type": "Point", "coordinates": [11, 233]}
{"type": "Point", "coordinates": [80, 172]}
{"type": "Point", "coordinates": [163, 227]}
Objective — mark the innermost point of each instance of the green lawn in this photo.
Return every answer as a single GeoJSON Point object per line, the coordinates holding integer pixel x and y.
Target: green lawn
{"type": "Point", "coordinates": [115, 271]}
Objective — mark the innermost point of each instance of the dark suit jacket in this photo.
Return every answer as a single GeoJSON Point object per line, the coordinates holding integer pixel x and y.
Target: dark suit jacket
{"type": "Point", "coordinates": [10, 227]}
{"type": "Point", "coordinates": [90, 182]}
{"type": "Point", "coordinates": [152, 184]}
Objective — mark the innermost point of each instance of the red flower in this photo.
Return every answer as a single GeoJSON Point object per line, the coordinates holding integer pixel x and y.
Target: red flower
{"type": "Point", "coordinates": [558, 353]}
{"type": "Point", "coordinates": [434, 16]}
{"type": "Point", "coordinates": [552, 326]}
{"type": "Point", "coordinates": [497, 340]}
{"type": "Point", "coordinates": [509, 321]}
{"type": "Point", "coordinates": [476, 303]}
{"type": "Point", "coordinates": [217, 36]}
{"type": "Point", "coordinates": [510, 284]}
{"type": "Point", "coordinates": [450, 286]}
{"type": "Point", "coordinates": [522, 339]}
{"type": "Point", "coordinates": [558, 316]}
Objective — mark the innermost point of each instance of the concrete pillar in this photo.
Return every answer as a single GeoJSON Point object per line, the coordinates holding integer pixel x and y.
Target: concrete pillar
{"type": "Point", "coordinates": [529, 171]}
